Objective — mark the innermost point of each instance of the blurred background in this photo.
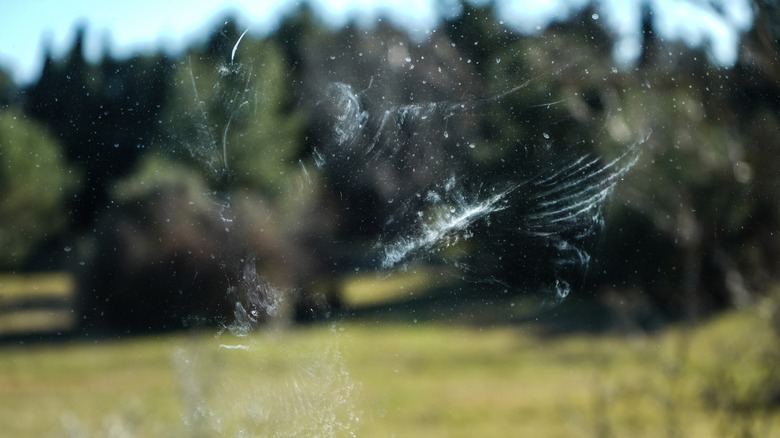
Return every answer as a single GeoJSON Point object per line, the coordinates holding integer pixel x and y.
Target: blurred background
{"type": "Point", "coordinates": [170, 167]}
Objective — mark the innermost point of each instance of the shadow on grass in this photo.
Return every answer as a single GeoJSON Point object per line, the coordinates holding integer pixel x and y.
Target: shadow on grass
{"type": "Point", "coordinates": [480, 306]}
{"type": "Point", "coordinates": [467, 304]}
{"type": "Point", "coordinates": [46, 318]}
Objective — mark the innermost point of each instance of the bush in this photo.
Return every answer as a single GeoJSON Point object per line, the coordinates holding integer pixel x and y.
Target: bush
{"type": "Point", "coordinates": [35, 181]}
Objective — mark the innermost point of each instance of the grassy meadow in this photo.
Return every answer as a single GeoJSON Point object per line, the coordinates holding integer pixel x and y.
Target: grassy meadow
{"type": "Point", "coordinates": [365, 377]}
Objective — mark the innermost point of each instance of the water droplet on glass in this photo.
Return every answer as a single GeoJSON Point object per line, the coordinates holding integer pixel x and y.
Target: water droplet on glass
{"type": "Point", "coordinates": [546, 135]}
{"type": "Point", "coordinates": [67, 249]}
{"type": "Point", "coordinates": [472, 145]}
{"type": "Point", "coordinates": [595, 16]}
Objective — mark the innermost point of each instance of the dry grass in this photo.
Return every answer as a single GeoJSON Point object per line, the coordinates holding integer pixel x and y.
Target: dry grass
{"type": "Point", "coordinates": [388, 379]}
{"type": "Point", "coordinates": [36, 302]}
{"type": "Point", "coordinates": [55, 284]}
{"type": "Point", "coordinates": [384, 380]}
{"type": "Point", "coordinates": [369, 289]}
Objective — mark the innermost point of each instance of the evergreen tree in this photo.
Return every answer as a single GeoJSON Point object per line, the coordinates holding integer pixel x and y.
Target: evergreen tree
{"type": "Point", "coordinates": [230, 112]}
{"type": "Point", "coordinates": [105, 115]}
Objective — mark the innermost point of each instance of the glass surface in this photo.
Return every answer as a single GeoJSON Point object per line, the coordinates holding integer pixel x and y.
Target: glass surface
{"type": "Point", "coordinates": [481, 219]}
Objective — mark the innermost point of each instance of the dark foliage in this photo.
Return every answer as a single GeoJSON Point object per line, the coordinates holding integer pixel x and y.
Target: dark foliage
{"type": "Point", "coordinates": [694, 226]}
{"type": "Point", "coordinates": [106, 116]}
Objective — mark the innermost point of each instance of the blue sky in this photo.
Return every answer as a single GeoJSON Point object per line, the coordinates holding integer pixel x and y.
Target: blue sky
{"type": "Point", "coordinates": [123, 28]}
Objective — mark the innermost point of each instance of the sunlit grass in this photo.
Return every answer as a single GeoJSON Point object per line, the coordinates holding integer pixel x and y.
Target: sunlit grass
{"type": "Point", "coordinates": [367, 289]}
{"type": "Point", "coordinates": [36, 302]}
{"type": "Point", "coordinates": [390, 380]}
{"type": "Point", "coordinates": [55, 284]}
{"type": "Point", "coordinates": [30, 321]}
{"type": "Point", "coordinates": [393, 379]}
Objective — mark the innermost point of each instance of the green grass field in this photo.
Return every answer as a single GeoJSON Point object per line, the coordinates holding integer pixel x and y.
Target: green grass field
{"type": "Point", "coordinates": [382, 379]}
{"type": "Point", "coordinates": [393, 380]}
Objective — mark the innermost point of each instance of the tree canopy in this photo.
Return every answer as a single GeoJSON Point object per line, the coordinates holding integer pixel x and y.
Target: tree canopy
{"type": "Point", "coordinates": [35, 182]}
{"type": "Point", "coordinates": [256, 125]}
